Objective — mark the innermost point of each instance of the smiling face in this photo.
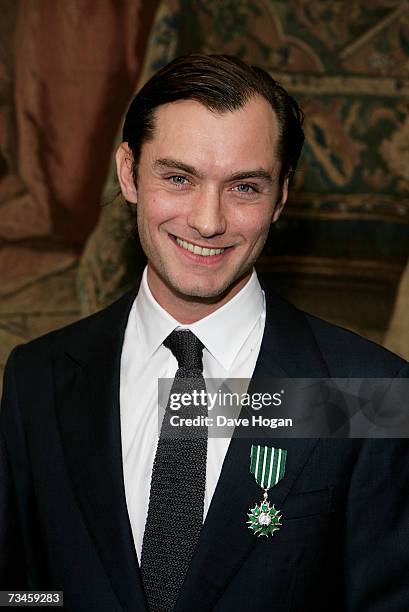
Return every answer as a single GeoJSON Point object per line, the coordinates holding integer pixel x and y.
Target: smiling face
{"type": "Point", "coordinates": [207, 191]}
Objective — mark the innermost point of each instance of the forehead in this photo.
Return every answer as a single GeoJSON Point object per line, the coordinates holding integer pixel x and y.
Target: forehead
{"type": "Point", "coordinates": [187, 130]}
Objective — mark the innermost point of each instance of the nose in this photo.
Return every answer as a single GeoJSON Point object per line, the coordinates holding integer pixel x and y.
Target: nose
{"type": "Point", "coordinates": [206, 214]}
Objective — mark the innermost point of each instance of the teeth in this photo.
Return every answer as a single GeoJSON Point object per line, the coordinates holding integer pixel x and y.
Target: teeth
{"type": "Point", "coordinates": [196, 249]}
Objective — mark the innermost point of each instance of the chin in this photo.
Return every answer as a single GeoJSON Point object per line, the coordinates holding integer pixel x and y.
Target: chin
{"type": "Point", "coordinates": [197, 289]}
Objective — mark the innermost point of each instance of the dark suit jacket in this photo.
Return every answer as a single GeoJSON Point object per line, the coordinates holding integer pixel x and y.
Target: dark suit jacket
{"type": "Point", "coordinates": [344, 543]}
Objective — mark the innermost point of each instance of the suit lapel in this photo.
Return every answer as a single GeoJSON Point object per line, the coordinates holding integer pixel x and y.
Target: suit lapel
{"type": "Point", "coordinates": [288, 350]}
{"type": "Point", "coordinates": [87, 398]}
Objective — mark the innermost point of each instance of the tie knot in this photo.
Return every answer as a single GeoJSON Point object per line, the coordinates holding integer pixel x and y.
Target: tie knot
{"type": "Point", "coordinates": [187, 349]}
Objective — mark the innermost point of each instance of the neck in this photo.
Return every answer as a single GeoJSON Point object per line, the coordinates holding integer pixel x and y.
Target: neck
{"type": "Point", "coordinates": [188, 309]}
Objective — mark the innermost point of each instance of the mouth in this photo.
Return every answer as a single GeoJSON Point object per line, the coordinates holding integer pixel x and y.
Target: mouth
{"type": "Point", "coordinates": [196, 249]}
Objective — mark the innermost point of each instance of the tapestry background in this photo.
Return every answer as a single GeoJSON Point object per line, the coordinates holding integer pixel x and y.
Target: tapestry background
{"type": "Point", "coordinates": [67, 73]}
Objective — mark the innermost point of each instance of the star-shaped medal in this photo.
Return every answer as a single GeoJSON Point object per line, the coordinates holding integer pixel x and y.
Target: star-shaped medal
{"type": "Point", "coordinates": [264, 519]}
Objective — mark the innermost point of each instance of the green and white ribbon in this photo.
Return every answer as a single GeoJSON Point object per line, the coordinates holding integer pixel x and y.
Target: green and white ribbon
{"type": "Point", "coordinates": [268, 465]}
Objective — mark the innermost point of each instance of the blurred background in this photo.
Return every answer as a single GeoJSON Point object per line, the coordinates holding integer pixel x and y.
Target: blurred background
{"type": "Point", "coordinates": [68, 70]}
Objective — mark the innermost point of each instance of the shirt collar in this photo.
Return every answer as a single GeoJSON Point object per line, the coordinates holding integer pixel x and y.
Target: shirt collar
{"type": "Point", "coordinates": [223, 332]}
{"type": "Point", "coordinates": [153, 322]}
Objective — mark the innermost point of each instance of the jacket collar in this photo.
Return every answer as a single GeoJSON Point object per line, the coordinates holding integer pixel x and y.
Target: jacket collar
{"type": "Point", "coordinates": [87, 378]}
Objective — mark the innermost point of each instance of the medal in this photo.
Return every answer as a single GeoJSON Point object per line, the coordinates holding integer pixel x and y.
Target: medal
{"type": "Point", "coordinates": [267, 464]}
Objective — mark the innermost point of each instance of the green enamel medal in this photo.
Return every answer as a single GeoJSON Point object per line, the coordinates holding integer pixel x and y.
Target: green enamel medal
{"type": "Point", "coordinates": [268, 466]}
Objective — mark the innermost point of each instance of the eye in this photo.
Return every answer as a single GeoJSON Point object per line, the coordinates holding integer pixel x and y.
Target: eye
{"type": "Point", "coordinates": [245, 188]}
{"type": "Point", "coordinates": [178, 180]}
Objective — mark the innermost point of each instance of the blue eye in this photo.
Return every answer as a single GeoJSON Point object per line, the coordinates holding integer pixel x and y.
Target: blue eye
{"type": "Point", "coordinates": [178, 179]}
{"type": "Point", "coordinates": [245, 188]}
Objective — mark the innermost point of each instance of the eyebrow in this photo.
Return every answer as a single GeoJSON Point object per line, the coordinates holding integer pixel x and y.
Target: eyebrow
{"type": "Point", "coordinates": [176, 164]}
{"type": "Point", "coordinates": [248, 174]}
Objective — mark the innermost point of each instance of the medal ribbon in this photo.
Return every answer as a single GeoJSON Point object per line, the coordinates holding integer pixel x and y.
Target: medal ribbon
{"type": "Point", "coordinates": [268, 465]}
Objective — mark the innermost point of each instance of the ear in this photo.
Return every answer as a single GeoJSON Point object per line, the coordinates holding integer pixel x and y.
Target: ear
{"type": "Point", "coordinates": [124, 162]}
{"type": "Point", "coordinates": [281, 201]}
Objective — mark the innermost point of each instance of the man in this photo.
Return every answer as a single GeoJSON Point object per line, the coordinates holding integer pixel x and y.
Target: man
{"type": "Point", "coordinates": [90, 493]}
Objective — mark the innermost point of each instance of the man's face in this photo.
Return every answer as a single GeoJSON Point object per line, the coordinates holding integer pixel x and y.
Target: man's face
{"type": "Point", "coordinates": [207, 191]}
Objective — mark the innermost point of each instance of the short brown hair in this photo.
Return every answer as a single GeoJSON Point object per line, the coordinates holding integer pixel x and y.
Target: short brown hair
{"type": "Point", "coordinates": [221, 83]}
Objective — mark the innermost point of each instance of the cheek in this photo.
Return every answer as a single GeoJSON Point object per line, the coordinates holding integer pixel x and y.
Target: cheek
{"type": "Point", "coordinates": [253, 224]}
{"type": "Point", "coordinates": [159, 207]}
{"type": "Point", "coordinates": [149, 214]}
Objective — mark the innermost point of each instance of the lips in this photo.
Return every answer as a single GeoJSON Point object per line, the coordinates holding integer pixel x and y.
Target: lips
{"type": "Point", "coordinates": [197, 250]}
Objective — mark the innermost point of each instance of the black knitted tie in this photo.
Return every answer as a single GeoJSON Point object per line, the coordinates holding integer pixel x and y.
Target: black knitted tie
{"type": "Point", "coordinates": [176, 502]}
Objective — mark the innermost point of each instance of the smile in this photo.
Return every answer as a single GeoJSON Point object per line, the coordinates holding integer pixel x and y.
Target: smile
{"type": "Point", "coordinates": [197, 250]}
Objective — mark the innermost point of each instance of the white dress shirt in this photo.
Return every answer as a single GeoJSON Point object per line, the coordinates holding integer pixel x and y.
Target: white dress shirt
{"type": "Point", "coordinates": [232, 338]}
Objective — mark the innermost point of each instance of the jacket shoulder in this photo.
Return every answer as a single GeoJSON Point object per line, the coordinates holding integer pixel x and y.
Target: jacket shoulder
{"type": "Point", "coordinates": [107, 322]}
{"type": "Point", "coordinates": [348, 354]}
